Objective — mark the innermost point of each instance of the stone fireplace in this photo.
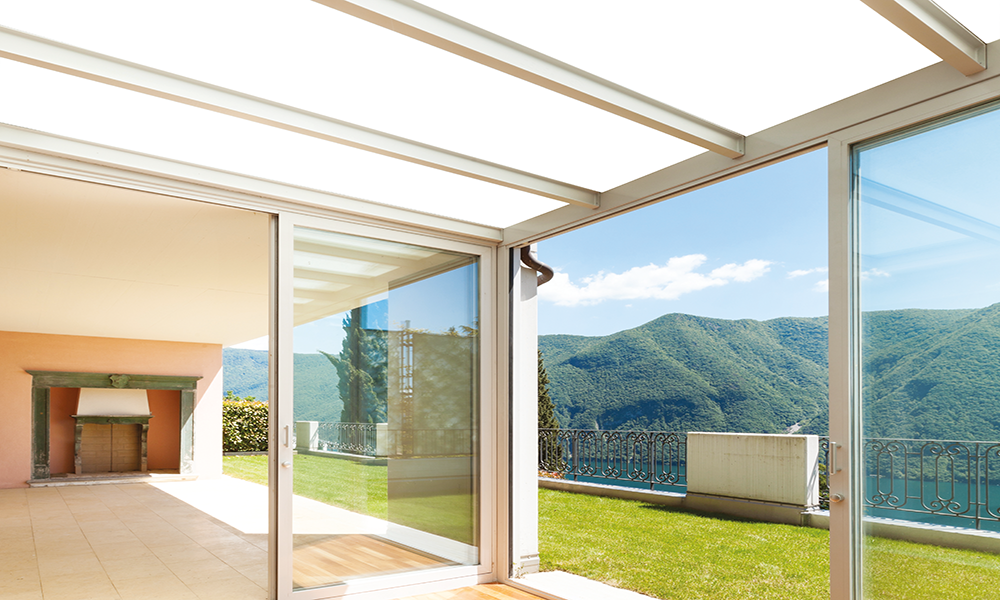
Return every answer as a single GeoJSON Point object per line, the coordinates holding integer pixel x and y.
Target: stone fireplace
{"type": "Point", "coordinates": [111, 421]}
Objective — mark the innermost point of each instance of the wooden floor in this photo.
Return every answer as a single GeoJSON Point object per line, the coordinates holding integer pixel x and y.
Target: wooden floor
{"type": "Point", "coordinates": [329, 559]}
{"type": "Point", "coordinates": [486, 591]}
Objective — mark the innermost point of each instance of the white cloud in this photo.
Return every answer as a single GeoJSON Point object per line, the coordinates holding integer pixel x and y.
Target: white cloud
{"type": "Point", "coordinates": [748, 271]}
{"type": "Point", "coordinates": [666, 282]}
{"type": "Point", "coordinates": [801, 272]}
{"type": "Point", "coordinates": [822, 286]}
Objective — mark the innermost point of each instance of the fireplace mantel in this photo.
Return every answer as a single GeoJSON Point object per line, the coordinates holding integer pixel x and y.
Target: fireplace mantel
{"type": "Point", "coordinates": [42, 383]}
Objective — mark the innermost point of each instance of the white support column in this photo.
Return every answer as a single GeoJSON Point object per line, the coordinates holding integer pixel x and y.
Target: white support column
{"type": "Point", "coordinates": [845, 515]}
{"type": "Point", "coordinates": [524, 420]}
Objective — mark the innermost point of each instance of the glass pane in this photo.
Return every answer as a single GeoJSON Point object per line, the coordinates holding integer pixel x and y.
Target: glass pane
{"type": "Point", "coordinates": [694, 371]}
{"type": "Point", "coordinates": [386, 407]}
{"type": "Point", "coordinates": [930, 243]}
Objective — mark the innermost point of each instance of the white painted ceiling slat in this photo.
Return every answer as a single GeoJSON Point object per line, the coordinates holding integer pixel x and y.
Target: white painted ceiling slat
{"type": "Point", "coordinates": [38, 51]}
{"type": "Point", "coordinates": [935, 29]}
{"type": "Point", "coordinates": [448, 33]}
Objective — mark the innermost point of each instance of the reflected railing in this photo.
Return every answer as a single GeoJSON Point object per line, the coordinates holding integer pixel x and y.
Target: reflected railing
{"type": "Point", "coordinates": [349, 438]}
{"type": "Point", "coordinates": [379, 440]}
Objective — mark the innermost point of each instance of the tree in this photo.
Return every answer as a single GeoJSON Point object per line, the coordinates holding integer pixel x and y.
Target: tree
{"type": "Point", "coordinates": [361, 370]}
{"type": "Point", "coordinates": [546, 409]}
{"type": "Point", "coordinates": [549, 450]}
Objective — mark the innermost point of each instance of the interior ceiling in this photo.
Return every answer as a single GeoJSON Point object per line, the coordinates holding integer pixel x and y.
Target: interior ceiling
{"type": "Point", "coordinates": [91, 260]}
{"type": "Point", "coordinates": [418, 95]}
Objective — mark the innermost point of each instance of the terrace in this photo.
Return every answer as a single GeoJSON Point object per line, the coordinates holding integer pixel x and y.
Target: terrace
{"type": "Point", "coordinates": [180, 178]}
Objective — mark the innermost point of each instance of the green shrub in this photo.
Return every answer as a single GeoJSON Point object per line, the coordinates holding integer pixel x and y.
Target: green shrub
{"type": "Point", "coordinates": [244, 424]}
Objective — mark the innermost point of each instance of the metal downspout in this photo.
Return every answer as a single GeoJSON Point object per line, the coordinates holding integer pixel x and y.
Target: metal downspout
{"type": "Point", "coordinates": [530, 258]}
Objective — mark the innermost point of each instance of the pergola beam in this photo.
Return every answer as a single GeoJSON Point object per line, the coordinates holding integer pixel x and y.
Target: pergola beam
{"type": "Point", "coordinates": [936, 30]}
{"type": "Point", "coordinates": [40, 52]}
{"type": "Point", "coordinates": [463, 39]}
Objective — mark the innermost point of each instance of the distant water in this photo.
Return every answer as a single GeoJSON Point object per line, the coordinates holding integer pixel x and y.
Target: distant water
{"type": "Point", "coordinates": [959, 495]}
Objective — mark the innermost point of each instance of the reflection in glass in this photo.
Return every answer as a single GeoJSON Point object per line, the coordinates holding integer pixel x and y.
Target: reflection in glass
{"type": "Point", "coordinates": [930, 244]}
{"type": "Point", "coordinates": [385, 402]}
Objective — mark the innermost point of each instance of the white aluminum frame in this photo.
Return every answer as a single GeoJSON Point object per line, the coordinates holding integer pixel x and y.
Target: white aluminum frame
{"type": "Point", "coordinates": [389, 586]}
{"type": "Point", "coordinates": [64, 58]}
{"type": "Point", "coordinates": [468, 41]}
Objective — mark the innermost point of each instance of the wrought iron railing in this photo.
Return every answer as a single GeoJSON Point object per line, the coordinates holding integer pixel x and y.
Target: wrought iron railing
{"type": "Point", "coordinates": [824, 473]}
{"type": "Point", "coordinates": [649, 457]}
{"type": "Point", "coordinates": [350, 438]}
{"type": "Point", "coordinates": [937, 477]}
{"type": "Point", "coordinates": [943, 478]}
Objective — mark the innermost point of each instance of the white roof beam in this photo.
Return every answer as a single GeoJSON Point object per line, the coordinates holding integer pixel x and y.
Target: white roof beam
{"type": "Point", "coordinates": [40, 52]}
{"type": "Point", "coordinates": [37, 152]}
{"type": "Point", "coordinates": [458, 37]}
{"type": "Point", "coordinates": [936, 30]}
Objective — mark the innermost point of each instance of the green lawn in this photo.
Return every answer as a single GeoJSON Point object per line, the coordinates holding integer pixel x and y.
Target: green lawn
{"type": "Point", "coordinates": [674, 554]}
{"type": "Point", "coordinates": [657, 551]}
{"type": "Point", "coordinates": [362, 488]}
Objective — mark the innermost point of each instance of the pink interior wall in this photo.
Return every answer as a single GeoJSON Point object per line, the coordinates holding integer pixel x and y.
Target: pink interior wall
{"type": "Point", "coordinates": [164, 440]}
{"type": "Point", "coordinates": [22, 351]}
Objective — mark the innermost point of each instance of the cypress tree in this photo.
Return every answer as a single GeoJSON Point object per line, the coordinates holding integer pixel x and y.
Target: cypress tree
{"type": "Point", "coordinates": [549, 449]}
{"type": "Point", "coordinates": [546, 410]}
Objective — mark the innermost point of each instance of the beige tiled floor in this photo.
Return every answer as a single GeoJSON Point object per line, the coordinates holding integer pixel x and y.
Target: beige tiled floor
{"type": "Point", "coordinates": [123, 542]}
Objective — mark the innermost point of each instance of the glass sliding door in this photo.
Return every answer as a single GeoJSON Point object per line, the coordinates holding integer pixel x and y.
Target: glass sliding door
{"type": "Point", "coordinates": [386, 412]}
{"type": "Point", "coordinates": [929, 271]}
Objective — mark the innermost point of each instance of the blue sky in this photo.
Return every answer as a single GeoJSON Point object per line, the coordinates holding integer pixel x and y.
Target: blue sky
{"type": "Point", "coordinates": [754, 246]}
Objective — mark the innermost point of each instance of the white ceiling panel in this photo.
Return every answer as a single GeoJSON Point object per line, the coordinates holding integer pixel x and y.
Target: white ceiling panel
{"type": "Point", "coordinates": [306, 55]}
{"type": "Point", "coordinates": [82, 109]}
{"type": "Point", "coordinates": [744, 65]}
{"type": "Point", "coordinates": [981, 17]}
{"type": "Point", "coordinates": [92, 260]}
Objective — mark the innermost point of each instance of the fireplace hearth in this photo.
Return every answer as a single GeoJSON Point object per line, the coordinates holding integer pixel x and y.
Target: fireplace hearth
{"type": "Point", "coordinates": [110, 443]}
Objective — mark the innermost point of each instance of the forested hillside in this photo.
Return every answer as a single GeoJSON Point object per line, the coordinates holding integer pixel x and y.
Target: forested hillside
{"type": "Point", "coordinates": [316, 395]}
{"type": "Point", "coordinates": [686, 373]}
{"type": "Point", "coordinates": [928, 374]}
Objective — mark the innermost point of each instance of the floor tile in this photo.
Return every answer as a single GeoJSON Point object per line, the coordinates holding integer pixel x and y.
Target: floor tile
{"type": "Point", "coordinates": [142, 567]}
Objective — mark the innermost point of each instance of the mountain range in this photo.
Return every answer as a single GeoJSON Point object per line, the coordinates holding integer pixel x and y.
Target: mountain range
{"type": "Point", "coordinates": [927, 374]}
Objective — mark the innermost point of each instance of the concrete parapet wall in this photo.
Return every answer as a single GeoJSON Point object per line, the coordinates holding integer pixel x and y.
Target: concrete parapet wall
{"type": "Point", "coordinates": [306, 435]}
{"type": "Point", "coordinates": [780, 469]}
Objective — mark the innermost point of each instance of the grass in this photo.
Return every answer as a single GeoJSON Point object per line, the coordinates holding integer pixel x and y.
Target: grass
{"type": "Point", "coordinates": [658, 551]}
{"type": "Point", "coordinates": [362, 488]}
{"type": "Point", "coordinates": [674, 554]}
{"type": "Point", "coordinates": [898, 570]}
